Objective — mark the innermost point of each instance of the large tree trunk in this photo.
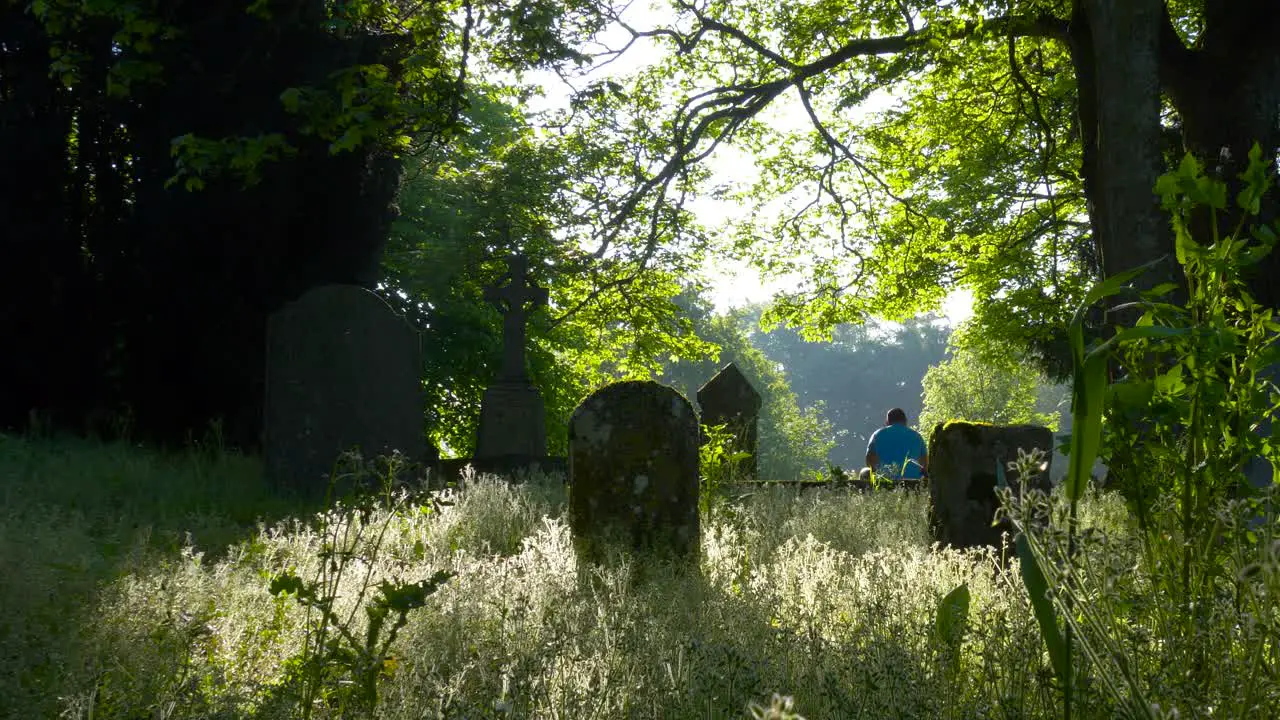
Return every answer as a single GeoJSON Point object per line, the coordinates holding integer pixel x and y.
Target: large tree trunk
{"type": "Point", "coordinates": [49, 358]}
{"type": "Point", "coordinates": [1116, 52]}
{"type": "Point", "coordinates": [120, 294]}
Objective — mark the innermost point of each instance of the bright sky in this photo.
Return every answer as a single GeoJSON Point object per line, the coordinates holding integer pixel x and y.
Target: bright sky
{"type": "Point", "coordinates": [732, 283]}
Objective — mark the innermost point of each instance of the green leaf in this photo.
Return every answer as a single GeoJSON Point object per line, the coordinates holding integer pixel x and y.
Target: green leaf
{"type": "Point", "coordinates": [1170, 382]}
{"type": "Point", "coordinates": [1086, 417]}
{"type": "Point", "coordinates": [1185, 248]}
{"type": "Point", "coordinates": [290, 99]}
{"type": "Point", "coordinates": [1033, 579]}
{"type": "Point", "coordinates": [1114, 284]}
{"type": "Point", "coordinates": [1159, 290]}
{"type": "Point", "coordinates": [1257, 181]}
{"type": "Point", "coordinates": [952, 618]}
{"type": "Point", "coordinates": [1131, 395]}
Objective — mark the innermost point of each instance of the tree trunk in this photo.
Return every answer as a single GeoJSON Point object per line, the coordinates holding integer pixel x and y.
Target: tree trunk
{"type": "Point", "coordinates": [1118, 62]}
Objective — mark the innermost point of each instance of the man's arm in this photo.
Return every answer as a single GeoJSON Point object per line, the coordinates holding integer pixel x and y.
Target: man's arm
{"type": "Point", "coordinates": [873, 460]}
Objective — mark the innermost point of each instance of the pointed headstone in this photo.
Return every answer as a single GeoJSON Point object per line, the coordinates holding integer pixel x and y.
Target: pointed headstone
{"type": "Point", "coordinates": [729, 399]}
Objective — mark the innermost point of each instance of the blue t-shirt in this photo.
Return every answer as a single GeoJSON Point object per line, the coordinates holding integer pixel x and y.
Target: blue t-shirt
{"type": "Point", "coordinates": [893, 444]}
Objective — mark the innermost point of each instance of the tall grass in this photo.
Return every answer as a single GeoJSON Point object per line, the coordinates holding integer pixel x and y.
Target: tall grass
{"type": "Point", "coordinates": [829, 598]}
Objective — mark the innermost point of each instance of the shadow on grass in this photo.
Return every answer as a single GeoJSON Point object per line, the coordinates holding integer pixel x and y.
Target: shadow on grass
{"type": "Point", "coordinates": [76, 515]}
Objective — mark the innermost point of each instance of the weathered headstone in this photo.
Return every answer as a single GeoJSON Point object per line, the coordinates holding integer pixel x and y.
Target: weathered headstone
{"type": "Point", "coordinates": [343, 372]}
{"type": "Point", "coordinates": [730, 400]}
{"type": "Point", "coordinates": [512, 415]}
{"type": "Point", "coordinates": [633, 472]}
{"type": "Point", "coordinates": [962, 477]}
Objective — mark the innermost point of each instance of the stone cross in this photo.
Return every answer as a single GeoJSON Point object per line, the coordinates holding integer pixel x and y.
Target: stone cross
{"type": "Point", "coordinates": [515, 300]}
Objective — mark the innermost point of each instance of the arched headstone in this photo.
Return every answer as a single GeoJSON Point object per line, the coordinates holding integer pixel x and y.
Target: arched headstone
{"type": "Point", "coordinates": [633, 472]}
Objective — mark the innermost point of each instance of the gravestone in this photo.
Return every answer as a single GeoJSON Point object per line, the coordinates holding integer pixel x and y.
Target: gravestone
{"type": "Point", "coordinates": [512, 415]}
{"type": "Point", "coordinates": [343, 372]}
{"type": "Point", "coordinates": [633, 472]}
{"type": "Point", "coordinates": [729, 399]}
{"type": "Point", "coordinates": [962, 478]}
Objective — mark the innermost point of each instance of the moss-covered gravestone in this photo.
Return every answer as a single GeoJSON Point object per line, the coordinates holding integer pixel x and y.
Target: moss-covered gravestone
{"type": "Point", "coordinates": [633, 472]}
{"type": "Point", "coordinates": [962, 477]}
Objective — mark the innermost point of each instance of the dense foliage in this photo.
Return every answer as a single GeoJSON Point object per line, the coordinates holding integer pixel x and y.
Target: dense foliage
{"type": "Point", "coordinates": [990, 382]}
{"type": "Point", "coordinates": [175, 171]}
{"type": "Point", "coordinates": [903, 149]}
{"type": "Point", "coordinates": [906, 148]}
{"type": "Point", "coordinates": [503, 188]}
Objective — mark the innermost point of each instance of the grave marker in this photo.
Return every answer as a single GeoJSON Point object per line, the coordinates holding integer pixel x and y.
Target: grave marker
{"type": "Point", "coordinates": [633, 472]}
{"type": "Point", "coordinates": [962, 477]}
{"type": "Point", "coordinates": [730, 400]}
{"type": "Point", "coordinates": [343, 371]}
{"type": "Point", "coordinates": [512, 415]}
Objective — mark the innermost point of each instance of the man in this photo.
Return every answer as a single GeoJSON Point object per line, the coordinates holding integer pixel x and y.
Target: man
{"type": "Point", "coordinates": [896, 450]}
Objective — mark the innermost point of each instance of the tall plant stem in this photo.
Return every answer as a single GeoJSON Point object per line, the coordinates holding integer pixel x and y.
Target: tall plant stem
{"type": "Point", "coordinates": [1193, 443]}
{"type": "Point", "coordinates": [1068, 634]}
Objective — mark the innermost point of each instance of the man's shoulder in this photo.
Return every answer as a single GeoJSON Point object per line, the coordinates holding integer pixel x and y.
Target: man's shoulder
{"type": "Point", "coordinates": [907, 434]}
{"type": "Point", "coordinates": [900, 430]}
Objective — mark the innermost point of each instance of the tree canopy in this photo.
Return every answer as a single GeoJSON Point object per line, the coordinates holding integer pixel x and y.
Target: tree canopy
{"type": "Point", "coordinates": [178, 170]}
{"type": "Point", "coordinates": [175, 171]}
{"type": "Point", "coordinates": [1017, 155]}
{"type": "Point", "coordinates": [994, 384]}
{"type": "Point", "coordinates": [501, 189]}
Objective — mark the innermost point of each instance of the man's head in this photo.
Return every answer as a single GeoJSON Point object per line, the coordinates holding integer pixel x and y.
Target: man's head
{"type": "Point", "coordinates": [896, 416]}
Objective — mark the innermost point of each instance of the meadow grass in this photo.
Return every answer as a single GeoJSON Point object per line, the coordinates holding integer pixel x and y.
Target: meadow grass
{"type": "Point", "coordinates": [138, 585]}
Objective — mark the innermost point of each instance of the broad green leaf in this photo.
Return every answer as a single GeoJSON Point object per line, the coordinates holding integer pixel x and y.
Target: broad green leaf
{"type": "Point", "coordinates": [1159, 290]}
{"type": "Point", "coordinates": [1115, 283]}
{"type": "Point", "coordinates": [1132, 394]}
{"type": "Point", "coordinates": [1170, 382]}
{"type": "Point", "coordinates": [1086, 417]}
{"type": "Point", "coordinates": [952, 619]}
{"type": "Point", "coordinates": [1138, 332]}
{"type": "Point", "coordinates": [1033, 579]}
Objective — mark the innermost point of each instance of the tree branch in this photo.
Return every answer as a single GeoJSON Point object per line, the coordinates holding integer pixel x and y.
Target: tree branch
{"type": "Point", "coordinates": [1013, 25]}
